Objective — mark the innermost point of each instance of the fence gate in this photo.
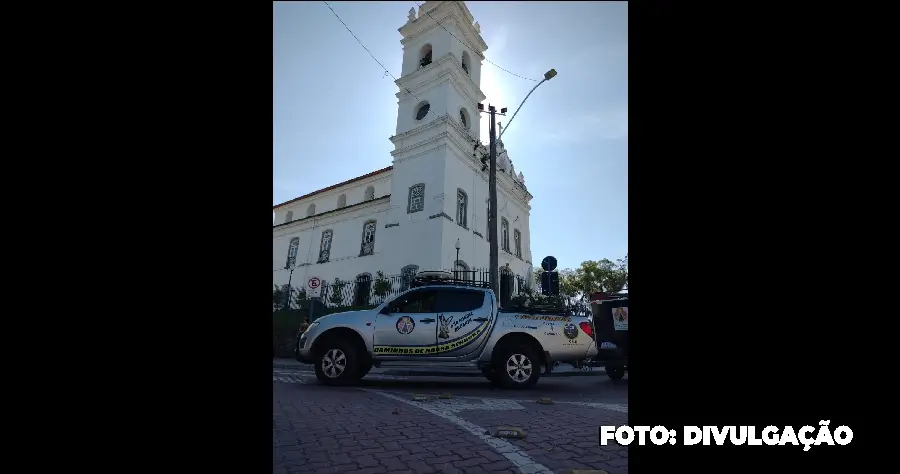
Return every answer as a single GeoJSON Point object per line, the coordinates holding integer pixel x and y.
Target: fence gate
{"type": "Point", "coordinates": [363, 290]}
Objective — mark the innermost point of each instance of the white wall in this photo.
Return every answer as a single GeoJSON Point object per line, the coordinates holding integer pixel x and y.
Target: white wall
{"type": "Point", "coordinates": [327, 201]}
{"type": "Point", "coordinates": [344, 262]}
{"type": "Point", "coordinates": [465, 173]}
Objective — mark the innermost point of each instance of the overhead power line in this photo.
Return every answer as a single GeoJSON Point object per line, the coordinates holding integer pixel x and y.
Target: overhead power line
{"type": "Point", "coordinates": [473, 49]}
{"type": "Point", "coordinates": [367, 49]}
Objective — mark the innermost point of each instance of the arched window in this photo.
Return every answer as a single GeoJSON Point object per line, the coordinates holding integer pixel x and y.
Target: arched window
{"type": "Point", "coordinates": [311, 210]}
{"type": "Point", "coordinates": [368, 239]}
{"type": "Point", "coordinates": [466, 62]}
{"type": "Point", "coordinates": [464, 118]}
{"type": "Point", "coordinates": [416, 198]}
{"type": "Point", "coordinates": [517, 241]}
{"type": "Point", "coordinates": [289, 216]}
{"type": "Point", "coordinates": [370, 193]}
{"type": "Point", "coordinates": [325, 246]}
{"type": "Point", "coordinates": [407, 274]}
{"type": "Point", "coordinates": [425, 55]}
{"type": "Point", "coordinates": [342, 201]}
{"type": "Point", "coordinates": [504, 233]}
{"type": "Point", "coordinates": [422, 110]}
{"type": "Point", "coordinates": [292, 253]}
{"type": "Point", "coordinates": [462, 204]}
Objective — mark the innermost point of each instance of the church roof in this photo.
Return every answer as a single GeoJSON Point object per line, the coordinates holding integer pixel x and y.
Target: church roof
{"type": "Point", "coordinates": [329, 188]}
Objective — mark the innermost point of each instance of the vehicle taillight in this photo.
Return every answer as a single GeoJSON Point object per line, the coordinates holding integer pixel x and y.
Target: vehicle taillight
{"type": "Point", "coordinates": [586, 327]}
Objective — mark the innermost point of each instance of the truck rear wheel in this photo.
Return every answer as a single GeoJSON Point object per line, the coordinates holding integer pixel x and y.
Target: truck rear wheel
{"type": "Point", "coordinates": [614, 372]}
{"type": "Point", "coordinates": [337, 362]}
{"type": "Point", "coordinates": [517, 367]}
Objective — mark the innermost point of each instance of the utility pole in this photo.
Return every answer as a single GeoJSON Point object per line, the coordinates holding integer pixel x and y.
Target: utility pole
{"type": "Point", "coordinates": [492, 205]}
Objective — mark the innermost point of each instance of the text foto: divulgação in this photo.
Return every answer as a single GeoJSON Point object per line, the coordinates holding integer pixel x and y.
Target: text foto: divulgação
{"type": "Point", "coordinates": [737, 435]}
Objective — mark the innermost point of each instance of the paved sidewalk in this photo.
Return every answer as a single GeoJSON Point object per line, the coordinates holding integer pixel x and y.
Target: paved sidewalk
{"type": "Point", "coordinates": [341, 430]}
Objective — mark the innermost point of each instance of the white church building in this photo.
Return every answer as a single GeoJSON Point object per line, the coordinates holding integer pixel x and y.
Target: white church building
{"type": "Point", "coordinates": [408, 216]}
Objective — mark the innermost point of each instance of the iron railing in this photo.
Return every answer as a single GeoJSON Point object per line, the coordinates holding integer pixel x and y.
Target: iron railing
{"type": "Point", "coordinates": [367, 291]}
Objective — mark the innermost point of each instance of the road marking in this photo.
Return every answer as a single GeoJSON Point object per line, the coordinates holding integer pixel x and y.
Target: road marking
{"type": "Point", "coordinates": [510, 451]}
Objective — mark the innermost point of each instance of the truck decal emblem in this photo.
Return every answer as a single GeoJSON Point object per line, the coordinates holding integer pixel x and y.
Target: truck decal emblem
{"type": "Point", "coordinates": [462, 322]}
{"type": "Point", "coordinates": [538, 317]}
{"type": "Point", "coordinates": [447, 346]}
{"type": "Point", "coordinates": [571, 331]}
{"type": "Point", "coordinates": [405, 325]}
{"type": "Point", "coordinates": [444, 332]}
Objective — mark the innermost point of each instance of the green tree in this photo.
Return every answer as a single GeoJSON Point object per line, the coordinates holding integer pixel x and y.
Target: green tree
{"type": "Point", "coordinates": [279, 295]}
{"type": "Point", "coordinates": [337, 292]}
{"type": "Point", "coordinates": [537, 279]}
{"type": "Point", "coordinates": [382, 286]}
{"type": "Point", "coordinates": [600, 275]}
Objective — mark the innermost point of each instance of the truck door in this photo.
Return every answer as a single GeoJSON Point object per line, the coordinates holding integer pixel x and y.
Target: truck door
{"type": "Point", "coordinates": [463, 319]}
{"type": "Point", "coordinates": [408, 330]}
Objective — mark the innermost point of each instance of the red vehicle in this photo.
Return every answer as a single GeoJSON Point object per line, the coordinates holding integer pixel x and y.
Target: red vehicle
{"type": "Point", "coordinates": [611, 326]}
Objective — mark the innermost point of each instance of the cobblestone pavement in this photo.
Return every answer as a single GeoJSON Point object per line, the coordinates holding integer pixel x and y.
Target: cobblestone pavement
{"type": "Point", "coordinates": [378, 428]}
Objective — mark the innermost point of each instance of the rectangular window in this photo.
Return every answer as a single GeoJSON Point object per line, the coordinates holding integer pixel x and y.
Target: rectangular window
{"type": "Point", "coordinates": [416, 199]}
{"type": "Point", "coordinates": [461, 206]}
{"type": "Point", "coordinates": [517, 238]}
{"type": "Point", "coordinates": [325, 246]}
{"type": "Point", "coordinates": [504, 234]}
{"type": "Point", "coordinates": [368, 239]}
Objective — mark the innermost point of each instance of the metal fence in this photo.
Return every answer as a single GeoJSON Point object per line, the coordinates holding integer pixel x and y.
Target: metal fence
{"type": "Point", "coordinates": [369, 291]}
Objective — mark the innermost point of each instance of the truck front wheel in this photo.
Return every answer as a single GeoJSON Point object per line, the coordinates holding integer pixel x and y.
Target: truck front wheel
{"type": "Point", "coordinates": [337, 362]}
{"type": "Point", "coordinates": [490, 374]}
{"type": "Point", "coordinates": [517, 367]}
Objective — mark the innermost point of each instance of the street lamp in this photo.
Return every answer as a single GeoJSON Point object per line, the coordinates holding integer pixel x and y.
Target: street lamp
{"type": "Point", "coordinates": [547, 76]}
{"type": "Point", "coordinates": [492, 182]}
{"type": "Point", "coordinates": [456, 263]}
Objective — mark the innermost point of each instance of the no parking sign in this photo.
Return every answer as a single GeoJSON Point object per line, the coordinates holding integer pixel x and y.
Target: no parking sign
{"type": "Point", "coordinates": [314, 287]}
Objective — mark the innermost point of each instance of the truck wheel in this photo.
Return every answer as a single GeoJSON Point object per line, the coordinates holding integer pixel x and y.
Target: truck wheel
{"type": "Point", "coordinates": [297, 351]}
{"type": "Point", "coordinates": [364, 369]}
{"type": "Point", "coordinates": [337, 363]}
{"type": "Point", "coordinates": [615, 373]}
{"type": "Point", "coordinates": [490, 374]}
{"type": "Point", "coordinates": [517, 367]}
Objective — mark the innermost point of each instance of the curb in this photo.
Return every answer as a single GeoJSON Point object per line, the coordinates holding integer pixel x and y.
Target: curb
{"type": "Point", "coordinates": [413, 373]}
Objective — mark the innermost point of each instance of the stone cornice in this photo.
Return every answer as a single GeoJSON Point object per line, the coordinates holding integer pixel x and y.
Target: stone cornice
{"type": "Point", "coordinates": [316, 220]}
{"type": "Point", "coordinates": [459, 14]}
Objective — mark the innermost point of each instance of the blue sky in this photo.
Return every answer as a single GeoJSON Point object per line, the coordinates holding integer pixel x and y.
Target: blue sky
{"type": "Point", "coordinates": [334, 108]}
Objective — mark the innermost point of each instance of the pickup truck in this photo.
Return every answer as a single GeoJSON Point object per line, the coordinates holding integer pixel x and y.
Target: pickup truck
{"type": "Point", "coordinates": [445, 324]}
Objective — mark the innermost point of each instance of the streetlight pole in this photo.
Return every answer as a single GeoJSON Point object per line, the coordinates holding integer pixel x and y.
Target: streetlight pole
{"type": "Point", "coordinates": [287, 302]}
{"type": "Point", "coordinates": [492, 184]}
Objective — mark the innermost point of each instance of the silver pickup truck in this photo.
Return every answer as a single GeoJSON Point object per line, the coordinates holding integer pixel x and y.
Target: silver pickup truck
{"type": "Point", "coordinates": [444, 326]}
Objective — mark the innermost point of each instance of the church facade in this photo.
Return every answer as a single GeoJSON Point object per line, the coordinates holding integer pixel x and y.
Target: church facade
{"type": "Point", "coordinates": [408, 216]}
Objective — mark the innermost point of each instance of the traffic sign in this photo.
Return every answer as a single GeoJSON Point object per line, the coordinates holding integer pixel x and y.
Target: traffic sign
{"type": "Point", "coordinates": [548, 263]}
{"type": "Point", "coordinates": [314, 287]}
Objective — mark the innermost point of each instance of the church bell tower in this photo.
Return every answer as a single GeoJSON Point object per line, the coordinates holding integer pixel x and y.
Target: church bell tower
{"type": "Point", "coordinates": [442, 58]}
{"type": "Point", "coordinates": [437, 125]}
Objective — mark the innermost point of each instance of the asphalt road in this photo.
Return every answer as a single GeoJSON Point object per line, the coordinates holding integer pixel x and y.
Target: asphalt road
{"type": "Point", "coordinates": [377, 427]}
